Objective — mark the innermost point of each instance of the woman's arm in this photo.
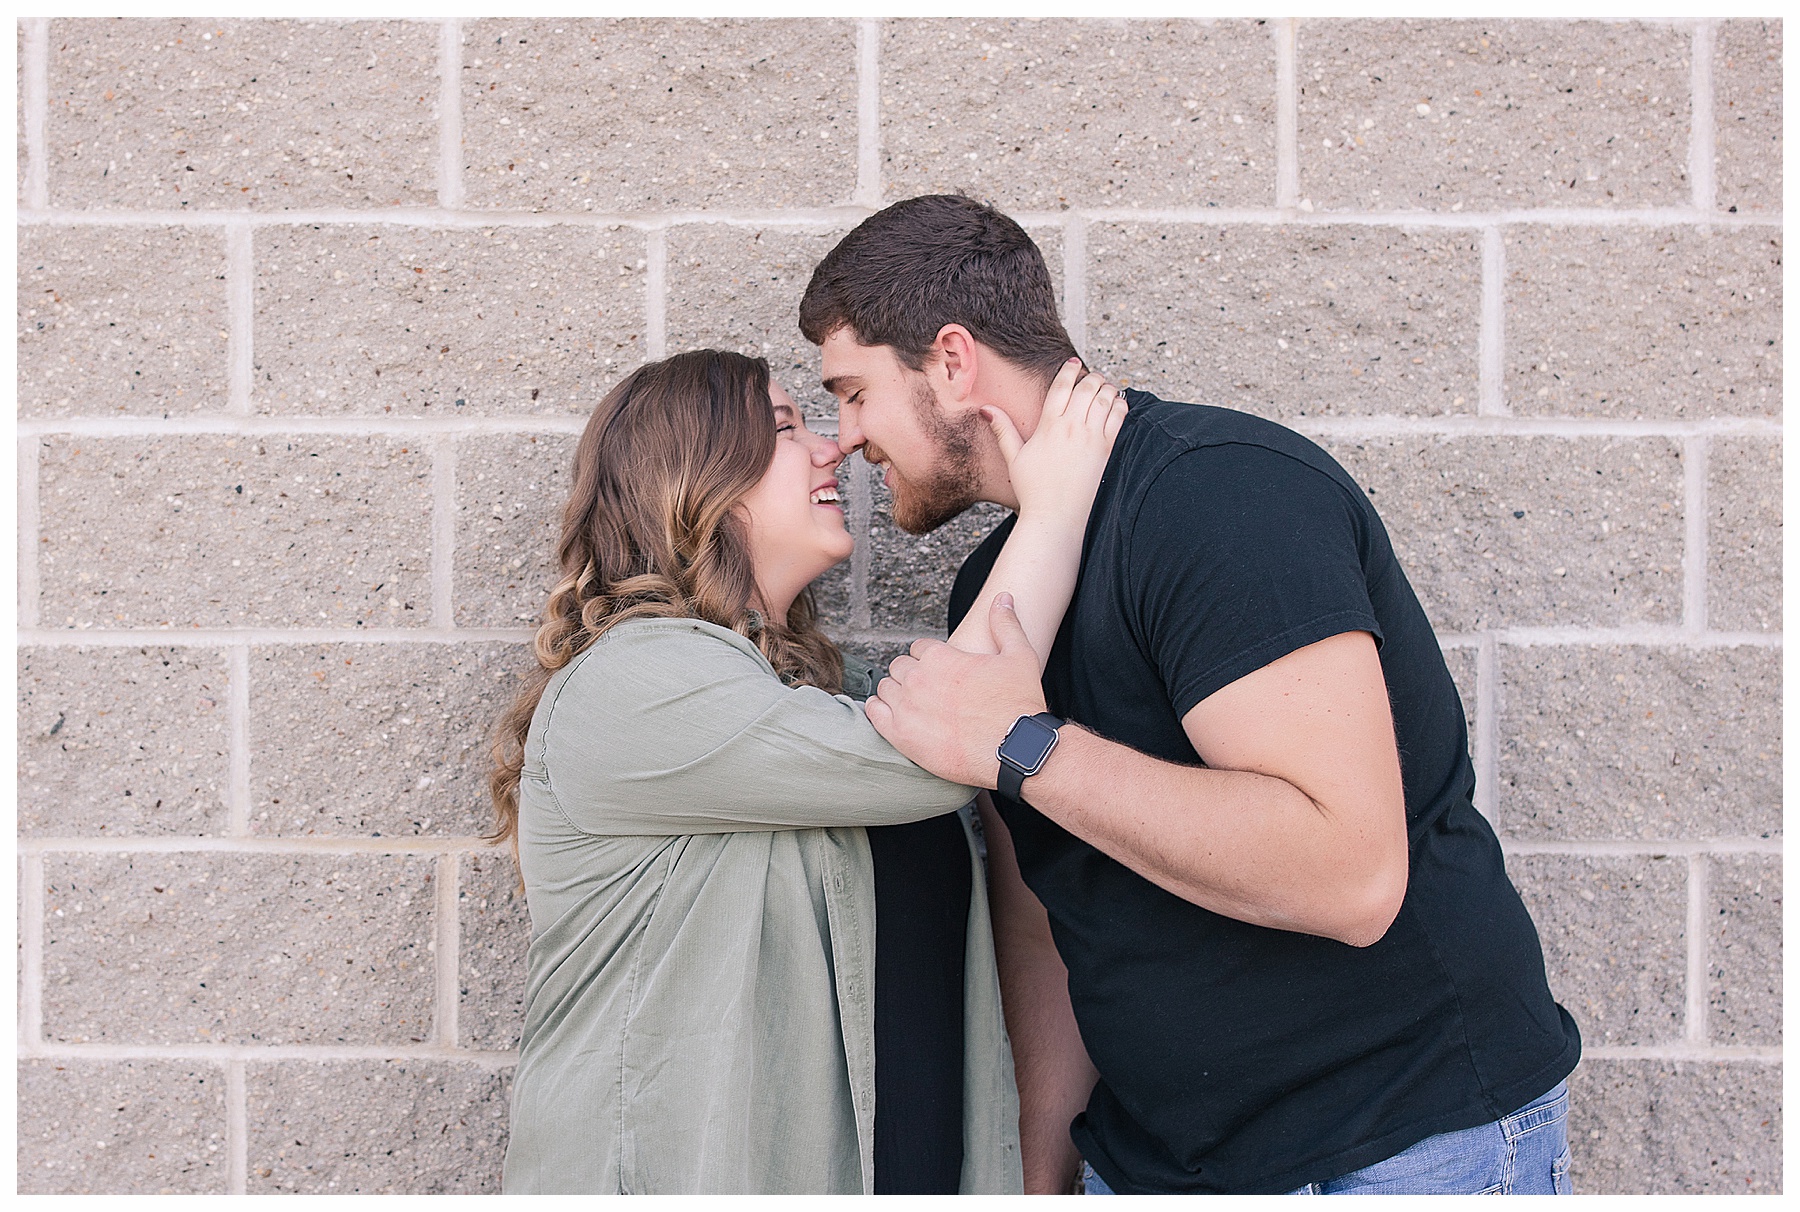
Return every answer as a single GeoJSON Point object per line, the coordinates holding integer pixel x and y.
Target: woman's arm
{"type": "Point", "coordinates": [671, 726]}
{"type": "Point", "coordinates": [1055, 476]}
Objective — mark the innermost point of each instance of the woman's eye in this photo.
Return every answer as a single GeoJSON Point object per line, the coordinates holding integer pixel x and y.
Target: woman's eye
{"type": "Point", "coordinates": [781, 429]}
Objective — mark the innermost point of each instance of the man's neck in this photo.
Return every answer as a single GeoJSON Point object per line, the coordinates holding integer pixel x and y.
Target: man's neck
{"type": "Point", "coordinates": [1019, 396]}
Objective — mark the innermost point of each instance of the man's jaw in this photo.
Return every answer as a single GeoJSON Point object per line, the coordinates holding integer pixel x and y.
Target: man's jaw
{"type": "Point", "coordinates": [921, 509]}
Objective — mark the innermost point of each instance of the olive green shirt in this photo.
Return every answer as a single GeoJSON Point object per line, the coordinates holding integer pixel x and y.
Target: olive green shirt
{"type": "Point", "coordinates": [699, 1010]}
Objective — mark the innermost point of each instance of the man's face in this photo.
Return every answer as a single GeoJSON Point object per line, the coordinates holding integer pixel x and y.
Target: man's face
{"type": "Point", "coordinates": [929, 458]}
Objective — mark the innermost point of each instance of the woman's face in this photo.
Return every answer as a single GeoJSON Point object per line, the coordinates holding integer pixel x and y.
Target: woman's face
{"type": "Point", "coordinates": [796, 520]}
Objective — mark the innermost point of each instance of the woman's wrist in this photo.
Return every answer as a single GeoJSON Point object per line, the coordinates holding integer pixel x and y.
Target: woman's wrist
{"type": "Point", "coordinates": [1062, 514]}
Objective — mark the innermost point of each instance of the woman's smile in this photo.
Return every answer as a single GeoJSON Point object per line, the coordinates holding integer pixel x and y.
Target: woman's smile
{"type": "Point", "coordinates": [791, 545]}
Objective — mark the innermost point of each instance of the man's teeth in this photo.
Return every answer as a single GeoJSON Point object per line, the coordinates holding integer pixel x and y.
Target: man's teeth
{"type": "Point", "coordinates": [824, 496]}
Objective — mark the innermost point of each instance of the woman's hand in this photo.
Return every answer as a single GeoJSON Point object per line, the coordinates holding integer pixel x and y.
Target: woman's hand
{"type": "Point", "coordinates": [1054, 479]}
{"type": "Point", "coordinates": [1056, 474]}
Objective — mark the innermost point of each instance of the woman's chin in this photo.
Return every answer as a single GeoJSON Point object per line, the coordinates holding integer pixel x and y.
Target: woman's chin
{"type": "Point", "coordinates": [837, 558]}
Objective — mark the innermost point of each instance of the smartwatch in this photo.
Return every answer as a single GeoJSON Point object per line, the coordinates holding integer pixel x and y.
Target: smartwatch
{"type": "Point", "coordinates": [1022, 753]}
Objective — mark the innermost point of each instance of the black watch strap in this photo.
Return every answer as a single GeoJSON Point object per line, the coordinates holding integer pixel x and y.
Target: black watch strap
{"type": "Point", "coordinates": [1028, 743]}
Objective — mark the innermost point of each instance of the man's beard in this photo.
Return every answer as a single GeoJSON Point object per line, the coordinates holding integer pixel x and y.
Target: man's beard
{"type": "Point", "coordinates": [954, 480]}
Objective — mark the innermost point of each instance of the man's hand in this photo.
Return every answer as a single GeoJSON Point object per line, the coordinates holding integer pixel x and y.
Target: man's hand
{"type": "Point", "coordinates": [949, 710]}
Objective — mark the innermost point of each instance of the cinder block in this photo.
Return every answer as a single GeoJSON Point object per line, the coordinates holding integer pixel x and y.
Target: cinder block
{"type": "Point", "coordinates": [1744, 976]}
{"type": "Point", "coordinates": [1049, 114]}
{"type": "Point", "coordinates": [221, 948]}
{"type": "Point", "coordinates": [1448, 115]}
{"type": "Point", "coordinates": [1675, 1127]}
{"type": "Point", "coordinates": [739, 288]}
{"type": "Point", "coordinates": [445, 322]}
{"type": "Point", "coordinates": [1636, 742]}
{"type": "Point", "coordinates": [510, 494]}
{"type": "Point", "coordinates": [381, 739]}
{"type": "Point", "coordinates": [364, 1127]}
{"type": "Point", "coordinates": [831, 592]}
{"type": "Point", "coordinates": [647, 114]}
{"type": "Point", "coordinates": [1643, 322]}
{"type": "Point", "coordinates": [21, 151]}
{"type": "Point", "coordinates": [211, 114]}
{"type": "Point", "coordinates": [1290, 321]}
{"type": "Point", "coordinates": [121, 320]}
{"type": "Point", "coordinates": [910, 575]}
{"type": "Point", "coordinates": [1743, 537]}
{"type": "Point", "coordinates": [496, 931]}
{"type": "Point", "coordinates": [1747, 111]}
{"type": "Point", "coordinates": [122, 741]}
{"type": "Point", "coordinates": [1530, 531]}
{"type": "Point", "coordinates": [213, 530]}
{"type": "Point", "coordinates": [124, 1127]}
{"type": "Point", "coordinates": [1614, 938]}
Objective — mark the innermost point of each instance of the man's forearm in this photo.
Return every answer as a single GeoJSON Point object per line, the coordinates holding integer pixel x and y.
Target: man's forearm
{"type": "Point", "coordinates": [1245, 845]}
{"type": "Point", "coordinates": [1297, 822]}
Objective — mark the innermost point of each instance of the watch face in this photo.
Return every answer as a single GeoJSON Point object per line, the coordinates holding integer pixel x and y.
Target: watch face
{"type": "Point", "coordinates": [1028, 744]}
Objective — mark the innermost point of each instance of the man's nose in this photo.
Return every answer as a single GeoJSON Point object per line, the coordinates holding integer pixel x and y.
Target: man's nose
{"type": "Point", "coordinates": [849, 435]}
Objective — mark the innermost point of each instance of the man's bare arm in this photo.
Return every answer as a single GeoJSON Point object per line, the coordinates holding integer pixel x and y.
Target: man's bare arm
{"type": "Point", "coordinates": [1301, 826]}
{"type": "Point", "coordinates": [1050, 1062]}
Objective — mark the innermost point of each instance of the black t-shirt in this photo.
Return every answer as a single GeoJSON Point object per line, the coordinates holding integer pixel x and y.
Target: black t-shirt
{"type": "Point", "coordinates": [1233, 1057]}
{"type": "Point", "coordinates": [922, 887]}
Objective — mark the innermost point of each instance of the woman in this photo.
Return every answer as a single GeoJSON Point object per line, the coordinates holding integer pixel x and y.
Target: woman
{"type": "Point", "coordinates": [685, 786]}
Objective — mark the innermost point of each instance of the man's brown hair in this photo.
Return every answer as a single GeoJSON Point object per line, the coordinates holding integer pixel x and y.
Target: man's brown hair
{"type": "Point", "coordinates": [907, 271]}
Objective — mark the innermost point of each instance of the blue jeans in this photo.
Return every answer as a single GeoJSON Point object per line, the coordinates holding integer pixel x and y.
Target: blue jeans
{"type": "Point", "coordinates": [1525, 1153]}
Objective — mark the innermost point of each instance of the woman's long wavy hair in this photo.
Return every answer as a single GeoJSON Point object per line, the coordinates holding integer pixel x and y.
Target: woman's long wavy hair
{"type": "Point", "coordinates": [650, 531]}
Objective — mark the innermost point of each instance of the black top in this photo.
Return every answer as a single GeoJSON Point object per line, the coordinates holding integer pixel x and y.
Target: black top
{"type": "Point", "coordinates": [1233, 1057]}
{"type": "Point", "coordinates": [922, 886]}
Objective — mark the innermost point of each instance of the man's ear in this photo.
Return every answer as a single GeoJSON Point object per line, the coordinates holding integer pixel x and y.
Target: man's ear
{"type": "Point", "coordinates": [957, 362]}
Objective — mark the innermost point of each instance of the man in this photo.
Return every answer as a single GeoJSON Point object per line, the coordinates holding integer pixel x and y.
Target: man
{"type": "Point", "coordinates": [1254, 935]}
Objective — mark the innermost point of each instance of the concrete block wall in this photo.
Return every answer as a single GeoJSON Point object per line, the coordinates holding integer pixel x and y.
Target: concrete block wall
{"type": "Point", "coordinates": [310, 313]}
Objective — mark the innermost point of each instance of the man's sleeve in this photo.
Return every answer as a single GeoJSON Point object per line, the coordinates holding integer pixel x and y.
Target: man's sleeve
{"type": "Point", "coordinates": [1240, 555]}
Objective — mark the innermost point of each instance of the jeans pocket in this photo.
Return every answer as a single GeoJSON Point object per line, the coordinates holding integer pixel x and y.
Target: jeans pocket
{"type": "Point", "coordinates": [1559, 1173]}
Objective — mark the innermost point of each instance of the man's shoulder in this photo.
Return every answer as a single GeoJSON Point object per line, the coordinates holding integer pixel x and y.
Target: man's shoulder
{"type": "Point", "coordinates": [1160, 432]}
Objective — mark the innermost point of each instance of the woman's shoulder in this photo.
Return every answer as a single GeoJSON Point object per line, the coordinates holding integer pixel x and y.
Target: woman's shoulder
{"type": "Point", "coordinates": [644, 663]}
{"type": "Point", "coordinates": [666, 647]}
